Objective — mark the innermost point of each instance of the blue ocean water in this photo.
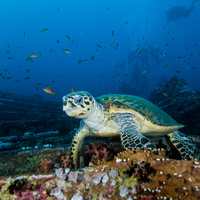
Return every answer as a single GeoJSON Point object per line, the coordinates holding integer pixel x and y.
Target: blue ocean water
{"type": "Point", "coordinates": [116, 46]}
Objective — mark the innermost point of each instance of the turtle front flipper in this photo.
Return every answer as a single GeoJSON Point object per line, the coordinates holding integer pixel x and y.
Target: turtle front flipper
{"type": "Point", "coordinates": [185, 145]}
{"type": "Point", "coordinates": [131, 137]}
{"type": "Point", "coordinates": [82, 132]}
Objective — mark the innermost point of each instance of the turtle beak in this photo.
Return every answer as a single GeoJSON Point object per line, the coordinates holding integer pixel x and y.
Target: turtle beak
{"type": "Point", "coordinates": [70, 109]}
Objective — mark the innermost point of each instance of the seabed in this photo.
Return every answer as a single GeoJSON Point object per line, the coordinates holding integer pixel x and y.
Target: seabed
{"type": "Point", "coordinates": [130, 175]}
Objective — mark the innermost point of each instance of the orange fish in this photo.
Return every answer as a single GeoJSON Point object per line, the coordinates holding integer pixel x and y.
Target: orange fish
{"type": "Point", "coordinates": [195, 100]}
{"type": "Point", "coordinates": [72, 89]}
{"type": "Point", "coordinates": [49, 91]}
{"type": "Point", "coordinates": [33, 55]}
{"type": "Point", "coordinates": [164, 93]}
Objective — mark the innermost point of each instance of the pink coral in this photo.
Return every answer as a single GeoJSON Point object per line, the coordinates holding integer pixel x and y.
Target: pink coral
{"type": "Point", "coordinates": [98, 152]}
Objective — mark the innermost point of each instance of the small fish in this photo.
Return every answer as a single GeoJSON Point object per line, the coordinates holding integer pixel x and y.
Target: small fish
{"type": "Point", "coordinates": [125, 22]}
{"type": "Point", "coordinates": [8, 77]}
{"type": "Point", "coordinates": [85, 61]}
{"type": "Point", "coordinates": [1, 74]}
{"type": "Point", "coordinates": [6, 70]}
{"type": "Point", "coordinates": [68, 37]}
{"type": "Point", "coordinates": [107, 8]}
{"type": "Point", "coordinates": [195, 100]}
{"type": "Point", "coordinates": [136, 50]}
{"type": "Point", "coordinates": [79, 61]}
{"type": "Point", "coordinates": [143, 38]}
{"type": "Point", "coordinates": [178, 71]}
{"type": "Point", "coordinates": [92, 58]}
{"type": "Point", "coordinates": [28, 70]}
{"type": "Point", "coordinates": [10, 58]}
{"type": "Point", "coordinates": [143, 72]}
{"type": "Point", "coordinates": [113, 33]}
{"type": "Point", "coordinates": [193, 67]}
{"type": "Point", "coordinates": [72, 89]}
{"type": "Point", "coordinates": [173, 100]}
{"type": "Point", "coordinates": [33, 55]}
{"type": "Point", "coordinates": [101, 76]}
{"type": "Point", "coordinates": [164, 53]}
{"type": "Point", "coordinates": [58, 41]}
{"type": "Point", "coordinates": [99, 45]}
{"type": "Point", "coordinates": [37, 95]}
{"type": "Point", "coordinates": [17, 80]}
{"type": "Point", "coordinates": [39, 84]}
{"type": "Point", "coordinates": [164, 94]}
{"type": "Point", "coordinates": [8, 52]}
{"type": "Point", "coordinates": [26, 78]}
{"type": "Point", "coordinates": [40, 53]}
{"type": "Point", "coordinates": [114, 80]}
{"type": "Point", "coordinates": [44, 30]}
{"type": "Point", "coordinates": [49, 91]}
{"type": "Point", "coordinates": [67, 51]}
{"type": "Point", "coordinates": [165, 66]}
{"type": "Point", "coordinates": [114, 41]}
{"type": "Point", "coordinates": [8, 46]}
{"type": "Point", "coordinates": [48, 85]}
{"type": "Point", "coordinates": [58, 9]}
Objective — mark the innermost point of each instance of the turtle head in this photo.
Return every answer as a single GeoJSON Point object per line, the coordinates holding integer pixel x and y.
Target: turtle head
{"type": "Point", "coordinates": [78, 104]}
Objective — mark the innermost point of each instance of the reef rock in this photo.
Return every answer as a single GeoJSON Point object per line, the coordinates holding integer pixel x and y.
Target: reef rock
{"type": "Point", "coordinates": [130, 175]}
{"type": "Point", "coordinates": [181, 102]}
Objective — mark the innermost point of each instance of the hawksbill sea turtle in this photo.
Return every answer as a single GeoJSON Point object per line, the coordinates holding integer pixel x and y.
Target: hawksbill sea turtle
{"type": "Point", "coordinates": [135, 119]}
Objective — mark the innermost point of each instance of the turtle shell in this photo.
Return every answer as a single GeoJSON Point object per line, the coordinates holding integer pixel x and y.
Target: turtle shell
{"type": "Point", "coordinates": [134, 104]}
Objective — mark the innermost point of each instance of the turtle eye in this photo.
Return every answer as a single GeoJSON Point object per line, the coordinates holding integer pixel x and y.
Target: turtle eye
{"type": "Point", "coordinates": [78, 100]}
{"type": "Point", "coordinates": [64, 103]}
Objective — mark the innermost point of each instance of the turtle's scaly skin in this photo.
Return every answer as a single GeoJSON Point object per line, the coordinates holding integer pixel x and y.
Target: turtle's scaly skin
{"type": "Point", "coordinates": [133, 118]}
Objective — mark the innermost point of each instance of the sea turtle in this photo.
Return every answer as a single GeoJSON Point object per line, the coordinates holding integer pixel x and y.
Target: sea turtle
{"type": "Point", "coordinates": [134, 118]}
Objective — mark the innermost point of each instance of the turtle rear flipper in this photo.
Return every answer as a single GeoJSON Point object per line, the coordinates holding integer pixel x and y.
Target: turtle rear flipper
{"type": "Point", "coordinates": [185, 145]}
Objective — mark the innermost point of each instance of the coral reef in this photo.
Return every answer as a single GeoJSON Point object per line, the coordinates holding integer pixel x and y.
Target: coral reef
{"type": "Point", "coordinates": [130, 175]}
{"type": "Point", "coordinates": [37, 161]}
{"type": "Point", "coordinates": [96, 152]}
